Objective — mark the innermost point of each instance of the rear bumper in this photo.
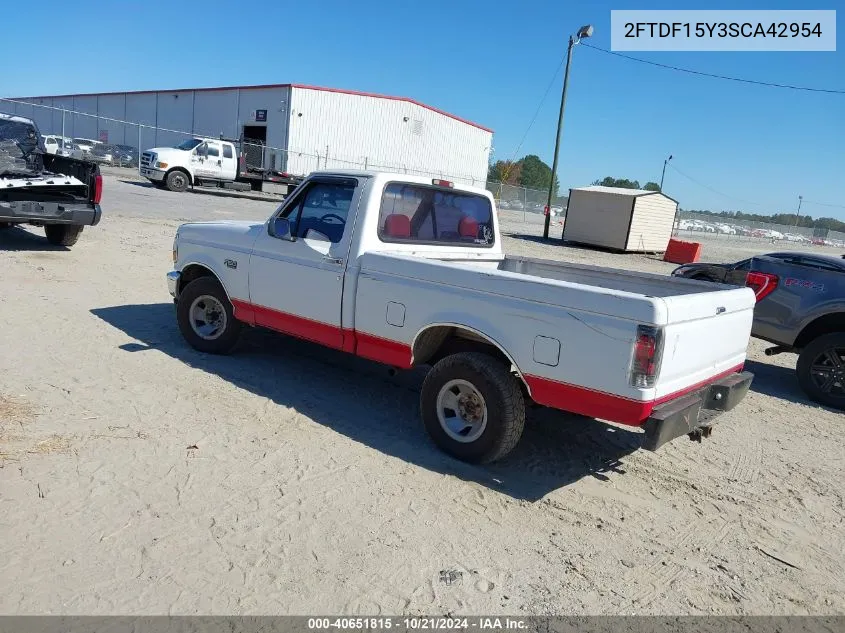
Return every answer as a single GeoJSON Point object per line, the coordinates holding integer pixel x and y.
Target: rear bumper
{"type": "Point", "coordinates": [694, 414]}
{"type": "Point", "coordinates": [50, 213]}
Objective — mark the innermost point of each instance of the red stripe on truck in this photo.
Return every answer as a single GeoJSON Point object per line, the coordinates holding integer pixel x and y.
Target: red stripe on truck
{"type": "Point", "coordinates": [606, 406]}
{"type": "Point", "coordinates": [544, 391]}
{"type": "Point", "coordinates": [365, 345]}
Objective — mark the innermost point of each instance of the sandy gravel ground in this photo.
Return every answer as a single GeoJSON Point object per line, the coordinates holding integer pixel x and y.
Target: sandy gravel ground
{"type": "Point", "coordinates": [138, 476]}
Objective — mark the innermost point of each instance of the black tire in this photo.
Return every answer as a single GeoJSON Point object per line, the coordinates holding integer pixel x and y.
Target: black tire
{"type": "Point", "coordinates": [227, 338]}
{"type": "Point", "coordinates": [62, 234]}
{"type": "Point", "coordinates": [825, 351]}
{"type": "Point", "coordinates": [178, 181]}
{"type": "Point", "coordinates": [502, 396]}
{"type": "Point", "coordinates": [5, 225]}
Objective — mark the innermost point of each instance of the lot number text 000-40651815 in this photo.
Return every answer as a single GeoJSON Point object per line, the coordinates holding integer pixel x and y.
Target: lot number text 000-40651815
{"type": "Point", "coordinates": [723, 30]}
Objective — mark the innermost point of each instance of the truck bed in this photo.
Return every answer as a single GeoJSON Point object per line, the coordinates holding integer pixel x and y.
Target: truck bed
{"type": "Point", "coordinates": [590, 313]}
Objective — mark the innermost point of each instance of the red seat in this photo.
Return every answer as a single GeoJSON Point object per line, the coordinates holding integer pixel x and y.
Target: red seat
{"type": "Point", "coordinates": [397, 225]}
{"type": "Point", "coordinates": [468, 227]}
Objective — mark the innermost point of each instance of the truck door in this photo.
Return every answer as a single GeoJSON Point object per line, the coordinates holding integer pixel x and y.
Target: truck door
{"type": "Point", "coordinates": [296, 283]}
{"type": "Point", "coordinates": [229, 162]}
{"type": "Point", "coordinates": [208, 160]}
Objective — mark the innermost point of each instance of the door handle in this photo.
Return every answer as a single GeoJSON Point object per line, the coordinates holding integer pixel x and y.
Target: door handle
{"type": "Point", "coordinates": [333, 260]}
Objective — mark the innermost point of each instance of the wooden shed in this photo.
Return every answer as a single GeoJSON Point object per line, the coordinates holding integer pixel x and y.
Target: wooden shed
{"type": "Point", "coordinates": [631, 220]}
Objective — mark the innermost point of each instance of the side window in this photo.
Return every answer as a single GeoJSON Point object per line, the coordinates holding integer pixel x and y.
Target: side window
{"type": "Point", "coordinates": [321, 211]}
{"type": "Point", "coordinates": [227, 151]}
{"type": "Point", "coordinates": [213, 151]}
{"type": "Point", "coordinates": [433, 215]}
{"type": "Point", "coordinates": [50, 141]}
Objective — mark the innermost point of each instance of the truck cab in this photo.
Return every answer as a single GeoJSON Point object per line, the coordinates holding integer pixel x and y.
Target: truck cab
{"type": "Point", "coordinates": [190, 162]}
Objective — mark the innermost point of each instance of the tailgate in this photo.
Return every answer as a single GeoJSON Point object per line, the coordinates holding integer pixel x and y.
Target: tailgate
{"type": "Point", "coordinates": [706, 335]}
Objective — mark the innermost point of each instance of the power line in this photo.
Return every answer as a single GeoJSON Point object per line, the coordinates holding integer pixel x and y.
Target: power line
{"type": "Point", "coordinates": [716, 191]}
{"type": "Point", "coordinates": [824, 204]}
{"type": "Point", "coordinates": [536, 114]}
{"type": "Point", "coordinates": [715, 76]}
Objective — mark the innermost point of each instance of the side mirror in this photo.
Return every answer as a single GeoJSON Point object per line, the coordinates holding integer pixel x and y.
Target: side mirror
{"type": "Point", "coordinates": [281, 229]}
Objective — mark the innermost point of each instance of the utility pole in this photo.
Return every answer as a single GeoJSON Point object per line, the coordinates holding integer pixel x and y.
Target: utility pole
{"type": "Point", "coordinates": [665, 162]}
{"type": "Point", "coordinates": [798, 212]}
{"type": "Point", "coordinates": [583, 32]}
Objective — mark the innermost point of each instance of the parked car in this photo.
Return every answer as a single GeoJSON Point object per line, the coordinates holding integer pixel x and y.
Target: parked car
{"type": "Point", "coordinates": [800, 309]}
{"type": "Point", "coordinates": [125, 155]}
{"type": "Point", "coordinates": [102, 154]}
{"type": "Point", "coordinates": [86, 144]}
{"type": "Point", "coordinates": [410, 271]}
{"type": "Point", "coordinates": [53, 143]}
{"type": "Point", "coordinates": [69, 150]}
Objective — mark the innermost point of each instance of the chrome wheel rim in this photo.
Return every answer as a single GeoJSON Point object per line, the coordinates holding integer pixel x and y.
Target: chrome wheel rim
{"type": "Point", "coordinates": [179, 181]}
{"type": "Point", "coordinates": [462, 411]}
{"type": "Point", "coordinates": [207, 317]}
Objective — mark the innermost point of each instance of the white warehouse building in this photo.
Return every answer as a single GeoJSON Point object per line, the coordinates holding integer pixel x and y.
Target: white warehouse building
{"type": "Point", "coordinates": [303, 128]}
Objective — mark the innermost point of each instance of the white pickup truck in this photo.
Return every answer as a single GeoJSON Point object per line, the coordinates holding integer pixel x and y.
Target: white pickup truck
{"type": "Point", "coordinates": [410, 271]}
{"type": "Point", "coordinates": [203, 161]}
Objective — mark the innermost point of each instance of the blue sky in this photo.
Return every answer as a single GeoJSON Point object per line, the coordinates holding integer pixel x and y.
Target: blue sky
{"type": "Point", "coordinates": [758, 147]}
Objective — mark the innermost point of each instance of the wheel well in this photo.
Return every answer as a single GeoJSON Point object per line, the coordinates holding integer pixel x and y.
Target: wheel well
{"type": "Point", "coordinates": [823, 325]}
{"type": "Point", "coordinates": [194, 271]}
{"type": "Point", "coordinates": [183, 170]}
{"type": "Point", "coordinates": [436, 343]}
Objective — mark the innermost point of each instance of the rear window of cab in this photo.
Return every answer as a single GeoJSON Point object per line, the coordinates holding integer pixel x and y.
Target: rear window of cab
{"type": "Point", "coordinates": [422, 214]}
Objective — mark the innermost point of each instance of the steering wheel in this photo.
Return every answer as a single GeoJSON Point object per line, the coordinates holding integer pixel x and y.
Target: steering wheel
{"type": "Point", "coordinates": [339, 219]}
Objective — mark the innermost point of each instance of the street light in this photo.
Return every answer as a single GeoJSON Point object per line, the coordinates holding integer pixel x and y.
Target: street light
{"type": "Point", "coordinates": [665, 162]}
{"type": "Point", "coordinates": [584, 32]}
{"type": "Point", "coordinates": [797, 213]}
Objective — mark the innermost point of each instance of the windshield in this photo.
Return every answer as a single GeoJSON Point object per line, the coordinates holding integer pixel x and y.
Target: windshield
{"type": "Point", "coordinates": [188, 145]}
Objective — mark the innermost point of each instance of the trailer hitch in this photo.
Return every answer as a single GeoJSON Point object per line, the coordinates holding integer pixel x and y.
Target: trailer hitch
{"type": "Point", "coordinates": [700, 432]}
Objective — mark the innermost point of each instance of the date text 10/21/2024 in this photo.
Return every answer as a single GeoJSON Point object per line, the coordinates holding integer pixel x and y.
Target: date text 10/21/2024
{"type": "Point", "coordinates": [418, 623]}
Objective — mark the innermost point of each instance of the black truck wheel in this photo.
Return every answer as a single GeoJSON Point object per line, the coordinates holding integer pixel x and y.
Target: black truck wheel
{"type": "Point", "coordinates": [63, 234]}
{"type": "Point", "coordinates": [472, 406]}
{"type": "Point", "coordinates": [178, 181]}
{"type": "Point", "coordinates": [821, 370]}
{"type": "Point", "coordinates": [206, 317]}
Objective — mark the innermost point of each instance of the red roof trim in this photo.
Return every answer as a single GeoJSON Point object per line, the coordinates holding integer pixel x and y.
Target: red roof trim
{"type": "Point", "coordinates": [269, 86]}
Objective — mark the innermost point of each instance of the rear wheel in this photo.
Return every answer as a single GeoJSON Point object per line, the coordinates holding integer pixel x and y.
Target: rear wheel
{"type": "Point", "coordinates": [62, 234]}
{"type": "Point", "coordinates": [206, 317]}
{"type": "Point", "coordinates": [5, 225]}
{"type": "Point", "coordinates": [821, 370]}
{"type": "Point", "coordinates": [473, 407]}
{"type": "Point", "coordinates": [178, 181]}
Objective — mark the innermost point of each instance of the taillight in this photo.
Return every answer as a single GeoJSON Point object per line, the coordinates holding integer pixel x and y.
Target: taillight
{"type": "Point", "coordinates": [763, 284]}
{"type": "Point", "coordinates": [646, 361]}
{"type": "Point", "coordinates": [98, 188]}
{"type": "Point", "coordinates": [437, 182]}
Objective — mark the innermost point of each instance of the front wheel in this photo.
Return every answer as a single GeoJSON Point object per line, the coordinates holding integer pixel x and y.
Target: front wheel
{"type": "Point", "coordinates": [206, 318]}
{"type": "Point", "coordinates": [177, 181]}
{"type": "Point", "coordinates": [473, 407]}
{"type": "Point", "coordinates": [821, 370]}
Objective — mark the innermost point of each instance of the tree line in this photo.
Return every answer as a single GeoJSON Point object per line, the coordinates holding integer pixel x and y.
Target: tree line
{"type": "Point", "coordinates": [532, 173]}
